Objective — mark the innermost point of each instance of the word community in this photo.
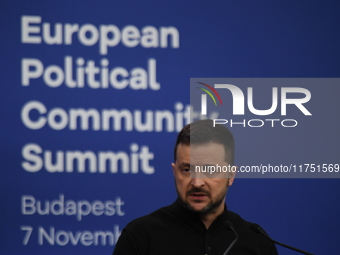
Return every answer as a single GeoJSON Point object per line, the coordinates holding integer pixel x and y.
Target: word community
{"type": "Point", "coordinates": [35, 115]}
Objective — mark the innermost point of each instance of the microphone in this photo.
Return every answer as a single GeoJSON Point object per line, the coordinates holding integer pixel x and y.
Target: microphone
{"type": "Point", "coordinates": [231, 227]}
{"type": "Point", "coordinates": [257, 229]}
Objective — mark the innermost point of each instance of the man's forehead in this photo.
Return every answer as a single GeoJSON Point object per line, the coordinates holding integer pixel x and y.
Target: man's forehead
{"type": "Point", "coordinates": [200, 145]}
{"type": "Point", "coordinates": [208, 153]}
{"type": "Point", "coordinates": [211, 148]}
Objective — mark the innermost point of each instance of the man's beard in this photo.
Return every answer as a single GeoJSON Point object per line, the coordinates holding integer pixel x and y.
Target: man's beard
{"type": "Point", "coordinates": [209, 208]}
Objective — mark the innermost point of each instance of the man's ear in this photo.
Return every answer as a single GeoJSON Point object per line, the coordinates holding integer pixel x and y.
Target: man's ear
{"type": "Point", "coordinates": [173, 166]}
{"type": "Point", "coordinates": [232, 175]}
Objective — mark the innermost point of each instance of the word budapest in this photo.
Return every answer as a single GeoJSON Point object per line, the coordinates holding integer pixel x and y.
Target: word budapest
{"type": "Point", "coordinates": [58, 207]}
{"type": "Point", "coordinates": [238, 107]}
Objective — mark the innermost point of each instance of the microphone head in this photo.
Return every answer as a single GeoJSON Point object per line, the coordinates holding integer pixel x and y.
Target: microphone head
{"type": "Point", "coordinates": [228, 224]}
{"type": "Point", "coordinates": [256, 228]}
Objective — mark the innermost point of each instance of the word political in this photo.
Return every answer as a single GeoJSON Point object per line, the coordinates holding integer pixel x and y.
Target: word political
{"type": "Point", "coordinates": [90, 74]}
{"type": "Point", "coordinates": [35, 32]}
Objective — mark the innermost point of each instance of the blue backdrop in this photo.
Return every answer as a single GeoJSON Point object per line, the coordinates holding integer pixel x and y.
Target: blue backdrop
{"type": "Point", "coordinates": [93, 94]}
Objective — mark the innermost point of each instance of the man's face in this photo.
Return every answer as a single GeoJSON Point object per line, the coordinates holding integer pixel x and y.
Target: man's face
{"type": "Point", "coordinates": [202, 195]}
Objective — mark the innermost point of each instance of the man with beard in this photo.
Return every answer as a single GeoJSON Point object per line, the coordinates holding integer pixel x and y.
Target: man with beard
{"type": "Point", "coordinates": [198, 221]}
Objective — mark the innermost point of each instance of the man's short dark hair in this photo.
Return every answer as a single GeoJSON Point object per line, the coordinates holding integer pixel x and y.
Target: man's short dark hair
{"type": "Point", "coordinates": [202, 132]}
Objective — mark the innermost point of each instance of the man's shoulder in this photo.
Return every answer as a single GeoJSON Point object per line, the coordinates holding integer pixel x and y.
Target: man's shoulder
{"type": "Point", "coordinates": [159, 217]}
{"type": "Point", "coordinates": [247, 234]}
{"type": "Point", "coordinates": [238, 221]}
{"type": "Point", "coordinates": [241, 225]}
{"type": "Point", "coordinates": [145, 234]}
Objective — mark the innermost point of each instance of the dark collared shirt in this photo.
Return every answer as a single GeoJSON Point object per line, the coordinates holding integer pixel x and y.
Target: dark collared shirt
{"type": "Point", "coordinates": [173, 230]}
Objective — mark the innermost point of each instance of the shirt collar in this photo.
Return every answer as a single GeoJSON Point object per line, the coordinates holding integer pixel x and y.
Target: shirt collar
{"type": "Point", "coordinates": [194, 218]}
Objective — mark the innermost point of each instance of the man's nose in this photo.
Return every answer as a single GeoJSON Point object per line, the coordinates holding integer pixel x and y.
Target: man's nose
{"type": "Point", "coordinates": [197, 182]}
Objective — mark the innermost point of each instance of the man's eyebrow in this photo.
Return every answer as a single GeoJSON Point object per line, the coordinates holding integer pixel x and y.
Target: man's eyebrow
{"type": "Point", "coordinates": [183, 165]}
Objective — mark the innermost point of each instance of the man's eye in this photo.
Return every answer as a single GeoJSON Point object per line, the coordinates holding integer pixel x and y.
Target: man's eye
{"type": "Point", "coordinates": [186, 170]}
